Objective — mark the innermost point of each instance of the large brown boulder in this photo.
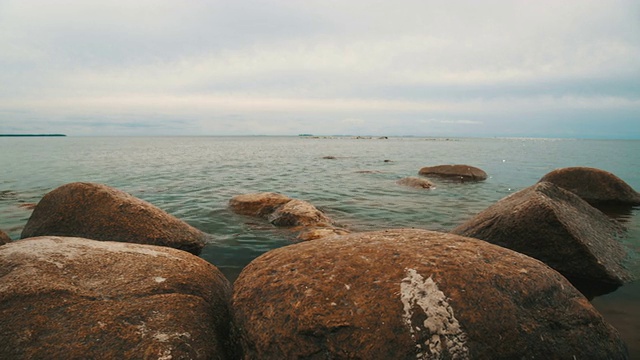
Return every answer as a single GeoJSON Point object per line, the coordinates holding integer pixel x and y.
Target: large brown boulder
{"type": "Point", "coordinates": [560, 229]}
{"type": "Point", "coordinates": [455, 172]}
{"type": "Point", "coordinates": [594, 185]}
{"type": "Point", "coordinates": [73, 298]}
{"type": "Point", "coordinates": [416, 182]}
{"type": "Point", "coordinates": [99, 212]}
{"type": "Point", "coordinates": [412, 294]}
{"type": "Point", "coordinates": [4, 238]}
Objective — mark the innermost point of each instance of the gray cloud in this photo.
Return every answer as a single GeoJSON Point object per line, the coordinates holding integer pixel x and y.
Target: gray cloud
{"type": "Point", "coordinates": [503, 68]}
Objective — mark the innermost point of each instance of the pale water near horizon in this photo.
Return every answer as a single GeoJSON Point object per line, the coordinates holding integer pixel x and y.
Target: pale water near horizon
{"type": "Point", "coordinates": [193, 178]}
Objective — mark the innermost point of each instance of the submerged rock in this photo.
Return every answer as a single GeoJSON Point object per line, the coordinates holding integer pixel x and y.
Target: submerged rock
{"type": "Point", "coordinates": [416, 182]}
{"type": "Point", "coordinates": [412, 294]}
{"type": "Point", "coordinates": [455, 172]}
{"type": "Point", "coordinates": [73, 298]}
{"type": "Point", "coordinates": [258, 204]}
{"type": "Point", "coordinates": [4, 238]}
{"type": "Point", "coordinates": [99, 212]}
{"type": "Point", "coordinates": [283, 211]}
{"type": "Point", "coordinates": [560, 229]}
{"type": "Point", "coordinates": [298, 213]}
{"type": "Point", "coordinates": [595, 186]}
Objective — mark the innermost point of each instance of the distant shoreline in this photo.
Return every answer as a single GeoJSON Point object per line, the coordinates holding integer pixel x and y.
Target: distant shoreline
{"type": "Point", "coordinates": [29, 135]}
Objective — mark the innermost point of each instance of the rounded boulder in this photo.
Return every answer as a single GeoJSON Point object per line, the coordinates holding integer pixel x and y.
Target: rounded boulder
{"type": "Point", "coordinates": [455, 172]}
{"type": "Point", "coordinates": [74, 298]}
{"type": "Point", "coordinates": [593, 185]}
{"type": "Point", "coordinates": [558, 228]}
{"type": "Point", "coordinates": [412, 294]}
{"type": "Point", "coordinates": [100, 212]}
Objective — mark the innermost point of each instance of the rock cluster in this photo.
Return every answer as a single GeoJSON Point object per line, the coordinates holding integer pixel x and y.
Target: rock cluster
{"type": "Point", "coordinates": [99, 212]}
{"type": "Point", "coordinates": [74, 298]}
{"type": "Point", "coordinates": [412, 294]}
{"type": "Point", "coordinates": [281, 210]}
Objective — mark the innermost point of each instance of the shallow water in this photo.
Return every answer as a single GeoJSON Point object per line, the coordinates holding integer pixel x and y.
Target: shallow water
{"type": "Point", "coordinates": [193, 178]}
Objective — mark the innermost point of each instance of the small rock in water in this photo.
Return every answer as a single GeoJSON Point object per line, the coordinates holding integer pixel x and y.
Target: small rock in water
{"type": "Point", "coordinates": [454, 172]}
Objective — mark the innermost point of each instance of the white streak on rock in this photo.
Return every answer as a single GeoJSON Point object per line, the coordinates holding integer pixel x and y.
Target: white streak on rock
{"type": "Point", "coordinates": [159, 279]}
{"type": "Point", "coordinates": [440, 335]}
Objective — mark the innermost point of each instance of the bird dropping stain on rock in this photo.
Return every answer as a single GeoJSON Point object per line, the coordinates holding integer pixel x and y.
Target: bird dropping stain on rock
{"type": "Point", "coordinates": [436, 331]}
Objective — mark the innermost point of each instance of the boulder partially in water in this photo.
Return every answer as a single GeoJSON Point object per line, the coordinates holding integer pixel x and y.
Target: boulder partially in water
{"type": "Point", "coordinates": [100, 212]}
{"type": "Point", "coordinates": [283, 211]}
{"type": "Point", "coordinates": [595, 186]}
{"type": "Point", "coordinates": [455, 172]}
{"type": "Point", "coordinates": [416, 182]}
{"type": "Point", "coordinates": [412, 294]}
{"type": "Point", "coordinates": [258, 204]}
{"type": "Point", "coordinates": [298, 213]}
{"type": "Point", "coordinates": [73, 298]}
{"type": "Point", "coordinates": [4, 238]}
{"type": "Point", "coordinates": [555, 226]}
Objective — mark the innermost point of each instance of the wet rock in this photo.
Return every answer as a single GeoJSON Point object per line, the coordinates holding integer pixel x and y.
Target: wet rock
{"type": "Point", "coordinates": [594, 185]}
{"type": "Point", "coordinates": [454, 172]}
{"type": "Point", "coordinates": [557, 227]}
{"type": "Point", "coordinates": [412, 294]}
{"type": "Point", "coordinates": [99, 212]}
{"type": "Point", "coordinates": [416, 182]}
{"type": "Point", "coordinates": [283, 211]}
{"type": "Point", "coordinates": [4, 238]}
{"type": "Point", "coordinates": [298, 213]}
{"type": "Point", "coordinates": [257, 204]}
{"type": "Point", "coordinates": [73, 298]}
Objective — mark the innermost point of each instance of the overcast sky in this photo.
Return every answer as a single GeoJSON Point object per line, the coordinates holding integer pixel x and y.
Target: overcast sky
{"type": "Point", "coordinates": [232, 67]}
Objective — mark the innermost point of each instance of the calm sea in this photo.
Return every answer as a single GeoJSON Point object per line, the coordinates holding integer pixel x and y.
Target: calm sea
{"type": "Point", "coordinates": [193, 178]}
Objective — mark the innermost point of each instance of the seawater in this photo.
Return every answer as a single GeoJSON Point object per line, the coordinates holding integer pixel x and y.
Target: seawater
{"type": "Point", "coordinates": [193, 178]}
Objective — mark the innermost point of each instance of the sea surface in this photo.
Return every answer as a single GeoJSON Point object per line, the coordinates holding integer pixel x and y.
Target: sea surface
{"type": "Point", "coordinates": [193, 178]}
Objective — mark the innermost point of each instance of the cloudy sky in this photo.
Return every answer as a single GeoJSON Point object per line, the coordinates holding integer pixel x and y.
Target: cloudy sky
{"type": "Point", "coordinates": [233, 67]}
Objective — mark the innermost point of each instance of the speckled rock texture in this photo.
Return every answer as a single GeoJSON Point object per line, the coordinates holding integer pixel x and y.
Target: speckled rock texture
{"type": "Point", "coordinates": [454, 172]}
{"type": "Point", "coordinates": [558, 228]}
{"type": "Point", "coordinates": [412, 294]}
{"type": "Point", "coordinates": [283, 211]}
{"type": "Point", "coordinates": [4, 238]}
{"type": "Point", "coordinates": [594, 185]}
{"type": "Point", "coordinates": [73, 298]}
{"type": "Point", "coordinates": [416, 182]}
{"type": "Point", "coordinates": [99, 212]}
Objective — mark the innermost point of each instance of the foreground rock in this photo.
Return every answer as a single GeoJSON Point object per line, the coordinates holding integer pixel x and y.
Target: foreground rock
{"type": "Point", "coordinates": [99, 212]}
{"type": "Point", "coordinates": [455, 172]}
{"type": "Point", "coordinates": [594, 185]}
{"type": "Point", "coordinates": [412, 294]}
{"type": "Point", "coordinates": [557, 227]}
{"type": "Point", "coordinates": [4, 238]}
{"type": "Point", "coordinates": [73, 298]}
{"type": "Point", "coordinates": [283, 211]}
{"type": "Point", "coordinates": [416, 182]}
